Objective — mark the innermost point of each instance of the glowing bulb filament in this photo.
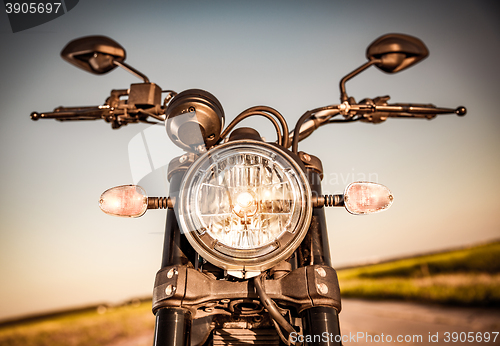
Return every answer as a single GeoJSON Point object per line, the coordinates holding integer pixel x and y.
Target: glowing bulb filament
{"type": "Point", "coordinates": [245, 205]}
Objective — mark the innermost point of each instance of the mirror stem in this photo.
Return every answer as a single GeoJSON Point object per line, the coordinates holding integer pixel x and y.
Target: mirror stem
{"type": "Point", "coordinates": [343, 93]}
{"type": "Point", "coordinates": [132, 70]}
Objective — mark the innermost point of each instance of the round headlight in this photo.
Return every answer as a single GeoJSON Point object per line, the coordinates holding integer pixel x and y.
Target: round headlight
{"type": "Point", "coordinates": [245, 205]}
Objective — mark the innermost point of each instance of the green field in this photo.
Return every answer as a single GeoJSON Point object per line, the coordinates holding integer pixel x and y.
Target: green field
{"type": "Point", "coordinates": [463, 277]}
{"type": "Point", "coordinates": [92, 327]}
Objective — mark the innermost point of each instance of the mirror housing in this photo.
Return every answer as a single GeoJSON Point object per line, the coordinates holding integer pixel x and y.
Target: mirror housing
{"type": "Point", "coordinates": [396, 52]}
{"type": "Point", "coordinates": [94, 54]}
{"type": "Point", "coordinates": [391, 53]}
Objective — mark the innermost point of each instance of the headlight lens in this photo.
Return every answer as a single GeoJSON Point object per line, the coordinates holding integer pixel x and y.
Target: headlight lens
{"type": "Point", "coordinates": [245, 205]}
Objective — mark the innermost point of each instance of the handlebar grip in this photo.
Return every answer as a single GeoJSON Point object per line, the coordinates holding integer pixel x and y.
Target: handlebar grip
{"type": "Point", "coordinates": [70, 113]}
{"type": "Point", "coordinates": [415, 109]}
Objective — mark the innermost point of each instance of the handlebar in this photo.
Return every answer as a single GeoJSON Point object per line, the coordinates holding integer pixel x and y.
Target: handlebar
{"type": "Point", "coordinates": [374, 111]}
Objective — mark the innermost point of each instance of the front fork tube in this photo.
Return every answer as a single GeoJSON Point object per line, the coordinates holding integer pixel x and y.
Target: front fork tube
{"type": "Point", "coordinates": [321, 323]}
{"type": "Point", "coordinates": [173, 325]}
{"type": "Point", "coordinates": [321, 326]}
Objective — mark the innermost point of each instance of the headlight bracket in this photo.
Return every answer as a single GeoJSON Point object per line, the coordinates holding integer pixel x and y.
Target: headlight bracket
{"type": "Point", "coordinates": [302, 288]}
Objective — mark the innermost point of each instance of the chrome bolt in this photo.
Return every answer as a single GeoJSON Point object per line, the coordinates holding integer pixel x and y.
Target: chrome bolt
{"type": "Point", "coordinates": [321, 272]}
{"type": "Point", "coordinates": [171, 273]}
{"type": "Point", "coordinates": [169, 290]}
{"type": "Point", "coordinates": [307, 157]}
{"type": "Point", "coordinates": [344, 108]}
{"type": "Point", "coordinates": [183, 158]}
{"type": "Point", "coordinates": [225, 301]}
{"type": "Point", "coordinates": [322, 288]}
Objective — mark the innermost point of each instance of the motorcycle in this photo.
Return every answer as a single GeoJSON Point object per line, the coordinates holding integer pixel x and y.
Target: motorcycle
{"type": "Point", "coordinates": [246, 256]}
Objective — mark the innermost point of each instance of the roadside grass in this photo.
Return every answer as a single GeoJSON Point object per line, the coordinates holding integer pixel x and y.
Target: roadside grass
{"type": "Point", "coordinates": [463, 277]}
{"type": "Point", "coordinates": [81, 328]}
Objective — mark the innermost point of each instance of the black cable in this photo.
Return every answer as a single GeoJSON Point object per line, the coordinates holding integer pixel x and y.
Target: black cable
{"type": "Point", "coordinates": [275, 123]}
{"type": "Point", "coordinates": [257, 111]}
{"type": "Point", "coordinates": [296, 132]}
{"type": "Point", "coordinates": [270, 305]}
{"type": "Point", "coordinates": [151, 122]}
{"type": "Point", "coordinates": [170, 95]}
{"type": "Point", "coordinates": [157, 117]}
{"type": "Point", "coordinates": [281, 119]}
{"type": "Point", "coordinates": [302, 119]}
{"type": "Point", "coordinates": [345, 120]}
{"type": "Point", "coordinates": [280, 333]}
{"type": "Point", "coordinates": [170, 92]}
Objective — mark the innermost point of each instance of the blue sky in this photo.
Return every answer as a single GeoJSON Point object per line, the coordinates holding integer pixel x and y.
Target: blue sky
{"type": "Point", "coordinates": [57, 249]}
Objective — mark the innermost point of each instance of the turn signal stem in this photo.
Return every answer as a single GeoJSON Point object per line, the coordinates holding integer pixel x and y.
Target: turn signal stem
{"type": "Point", "coordinates": [160, 203]}
{"type": "Point", "coordinates": [328, 201]}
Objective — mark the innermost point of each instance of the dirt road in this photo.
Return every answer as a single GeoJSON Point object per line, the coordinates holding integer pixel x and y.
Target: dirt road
{"type": "Point", "coordinates": [364, 323]}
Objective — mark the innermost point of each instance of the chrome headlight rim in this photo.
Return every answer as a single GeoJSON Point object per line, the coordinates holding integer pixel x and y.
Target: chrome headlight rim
{"type": "Point", "coordinates": [251, 259]}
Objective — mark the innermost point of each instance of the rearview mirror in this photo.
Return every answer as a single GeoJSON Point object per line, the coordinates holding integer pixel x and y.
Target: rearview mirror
{"type": "Point", "coordinates": [94, 54]}
{"type": "Point", "coordinates": [391, 53]}
{"type": "Point", "coordinates": [396, 52]}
